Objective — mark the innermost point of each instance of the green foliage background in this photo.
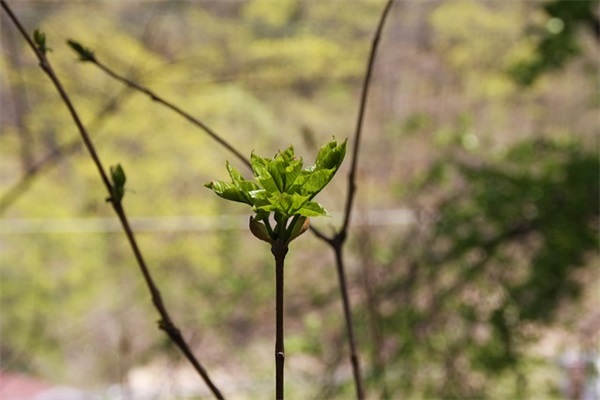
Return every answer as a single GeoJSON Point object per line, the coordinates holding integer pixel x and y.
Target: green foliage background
{"type": "Point", "coordinates": [501, 255]}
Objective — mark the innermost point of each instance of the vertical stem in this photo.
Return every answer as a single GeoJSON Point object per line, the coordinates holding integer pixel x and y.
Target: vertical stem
{"type": "Point", "coordinates": [279, 250]}
{"type": "Point", "coordinates": [360, 393]}
{"type": "Point", "coordinates": [337, 241]}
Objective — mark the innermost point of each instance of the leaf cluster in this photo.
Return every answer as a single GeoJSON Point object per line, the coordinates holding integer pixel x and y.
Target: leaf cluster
{"type": "Point", "coordinates": [282, 187]}
{"type": "Point", "coordinates": [525, 225]}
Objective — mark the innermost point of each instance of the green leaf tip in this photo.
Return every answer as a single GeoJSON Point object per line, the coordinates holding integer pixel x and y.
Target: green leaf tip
{"type": "Point", "coordinates": [39, 38]}
{"type": "Point", "coordinates": [118, 178]}
{"type": "Point", "coordinates": [84, 53]}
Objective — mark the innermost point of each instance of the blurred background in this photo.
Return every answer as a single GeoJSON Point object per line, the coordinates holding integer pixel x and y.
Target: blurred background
{"type": "Point", "coordinates": [473, 251]}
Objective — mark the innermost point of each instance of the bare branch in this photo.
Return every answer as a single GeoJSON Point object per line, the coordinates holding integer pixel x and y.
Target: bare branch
{"type": "Point", "coordinates": [359, 123]}
{"type": "Point", "coordinates": [136, 86]}
{"type": "Point", "coordinates": [165, 323]}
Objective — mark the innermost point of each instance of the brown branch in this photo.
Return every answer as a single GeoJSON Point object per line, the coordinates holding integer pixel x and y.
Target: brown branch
{"type": "Point", "coordinates": [168, 104]}
{"type": "Point", "coordinates": [165, 323]}
{"type": "Point", "coordinates": [338, 240]}
{"type": "Point", "coordinates": [359, 123]}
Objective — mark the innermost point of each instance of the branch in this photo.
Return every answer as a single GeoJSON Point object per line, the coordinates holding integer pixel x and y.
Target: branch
{"type": "Point", "coordinates": [359, 123]}
{"type": "Point", "coordinates": [338, 240]}
{"type": "Point", "coordinates": [165, 323]}
{"type": "Point", "coordinates": [86, 55]}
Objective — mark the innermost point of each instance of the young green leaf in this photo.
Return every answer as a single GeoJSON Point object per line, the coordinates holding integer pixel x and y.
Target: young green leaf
{"type": "Point", "coordinates": [117, 175]}
{"type": "Point", "coordinates": [247, 189]}
{"type": "Point", "coordinates": [228, 191]}
{"type": "Point", "coordinates": [260, 168]}
{"type": "Point", "coordinates": [312, 182]}
{"type": "Point", "coordinates": [286, 168]}
{"type": "Point", "coordinates": [39, 38]}
{"type": "Point", "coordinates": [312, 209]}
{"type": "Point", "coordinates": [331, 155]}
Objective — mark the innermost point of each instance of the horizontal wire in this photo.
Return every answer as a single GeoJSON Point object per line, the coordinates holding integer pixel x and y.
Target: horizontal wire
{"type": "Point", "coordinates": [184, 223]}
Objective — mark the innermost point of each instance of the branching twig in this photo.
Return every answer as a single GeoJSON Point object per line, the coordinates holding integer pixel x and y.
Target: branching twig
{"type": "Point", "coordinates": [338, 239]}
{"type": "Point", "coordinates": [165, 323]}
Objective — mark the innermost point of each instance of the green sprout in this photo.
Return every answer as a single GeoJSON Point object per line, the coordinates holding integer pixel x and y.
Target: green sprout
{"type": "Point", "coordinates": [39, 38]}
{"type": "Point", "coordinates": [117, 175]}
{"type": "Point", "coordinates": [282, 189]}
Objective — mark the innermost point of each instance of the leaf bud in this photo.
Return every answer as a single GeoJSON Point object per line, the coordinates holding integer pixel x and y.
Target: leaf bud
{"type": "Point", "coordinates": [259, 230]}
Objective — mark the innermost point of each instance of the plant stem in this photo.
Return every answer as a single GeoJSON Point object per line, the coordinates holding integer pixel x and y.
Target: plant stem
{"type": "Point", "coordinates": [279, 250]}
{"type": "Point", "coordinates": [339, 262]}
{"type": "Point", "coordinates": [165, 323]}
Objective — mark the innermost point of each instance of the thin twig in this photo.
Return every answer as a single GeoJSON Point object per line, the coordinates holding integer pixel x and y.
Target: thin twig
{"type": "Point", "coordinates": [178, 110]}
{"type": "Point", "coordinates": [165, 323]}
{"type": "Point", "coordinates": [339, 238]}
{"type": "Point", "coordinates": [361, 113]}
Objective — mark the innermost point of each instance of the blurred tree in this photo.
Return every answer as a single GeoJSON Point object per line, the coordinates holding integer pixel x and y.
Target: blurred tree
{"type": "Point", "coordinates": [508, 231]}
{"type": "Point", "coordinates": [501, 256]}
{"type": "Point", "coordinates": [556, 38]}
